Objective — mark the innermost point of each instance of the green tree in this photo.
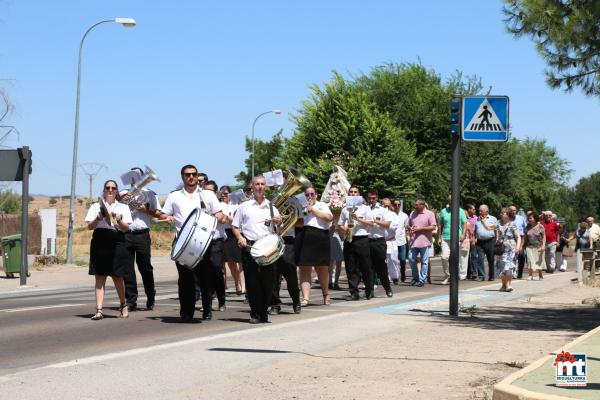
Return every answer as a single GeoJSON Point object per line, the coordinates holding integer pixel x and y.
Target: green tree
{"type": "Point", "coordinates": [586, 197]}
{"type": "Point", "coordinates": [10, 202]}
{"type": "Point", "coordinates": [340, 117]}
{"type": "Point", "coordinates": [566, 34]}
{"type": "Point", "coordinates": [267, 157]}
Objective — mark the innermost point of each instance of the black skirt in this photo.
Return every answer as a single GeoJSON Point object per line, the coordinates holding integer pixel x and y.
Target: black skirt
{"type": "Point", "coordinates": [314, 248]}
{"type": "Point", "coordinates": [231, 249]}
{"type": "Point", "coordinates": [109, 254]}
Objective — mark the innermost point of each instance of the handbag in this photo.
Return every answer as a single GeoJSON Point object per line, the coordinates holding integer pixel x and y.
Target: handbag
{"type": "Point", "coordinates": [567, 252]}
{"type": "Point", "coordinates": [499, 248]}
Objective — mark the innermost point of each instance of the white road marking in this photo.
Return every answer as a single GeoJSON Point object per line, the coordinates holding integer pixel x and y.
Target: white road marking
{"type": "Point", "coordinates": [12, 310]}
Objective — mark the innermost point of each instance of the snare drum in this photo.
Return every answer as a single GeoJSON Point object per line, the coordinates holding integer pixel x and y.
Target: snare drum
{"type": "Point", "coordinates": [267, 250]}
{"type": "Point", "coordinates": [194, 238]}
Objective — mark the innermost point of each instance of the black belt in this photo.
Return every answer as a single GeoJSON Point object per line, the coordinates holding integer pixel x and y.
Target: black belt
{"type": "Point", "coordinates": [218, 240]}
{"type": "Point", "coordinates": [486, 240]}
{"type": "Point", "coordinates": [288, 240]}
{"type": "Point", "coordinates": [139, 232]}
{"type": "Point", "coordinates": [354, 238]}
{"type": "Point", "coordinates": [376, 239]}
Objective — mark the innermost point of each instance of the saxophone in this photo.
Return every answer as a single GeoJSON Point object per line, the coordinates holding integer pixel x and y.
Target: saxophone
{"type": "Point", "coordinates": [350, 225]}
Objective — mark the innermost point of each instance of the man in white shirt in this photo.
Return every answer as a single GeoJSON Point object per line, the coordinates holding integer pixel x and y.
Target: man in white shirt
{"type": "Point", "coordinates": [357, 255]}
{"type": "Point", "coordinates": [377, 234]}
{"type": "Point", "coordinates": [248, 226]}
{"type": "Point", "coordinates": [177, 208]}
{"type": "Point", "coordinates": [139, 245]}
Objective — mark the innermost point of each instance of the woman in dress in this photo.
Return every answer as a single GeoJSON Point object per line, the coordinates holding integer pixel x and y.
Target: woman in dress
{"type": "Point", "coordinates": [314, 247]}
{"type": "Point", "coordinates": [108, 253]}
{"type": "Point", "coordinates": [508, 235]}
{"type": "Point", "coordinates": [233, 254]}
{"type": "Point", "coordinates": [535, 245]}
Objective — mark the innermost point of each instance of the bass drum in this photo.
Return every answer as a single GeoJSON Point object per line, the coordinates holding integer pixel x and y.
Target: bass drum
{"type": "Point", "coordinates": [267, 250]}
{"type": "Point", "coordinates": [194, 238]}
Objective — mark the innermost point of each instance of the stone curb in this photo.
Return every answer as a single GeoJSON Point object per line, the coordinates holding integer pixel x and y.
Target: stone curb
{"type": "Point", "coordinates": [506, 391]}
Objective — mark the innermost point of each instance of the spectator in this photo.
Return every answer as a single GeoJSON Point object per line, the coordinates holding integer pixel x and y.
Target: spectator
{"type": "Point", "coordinates": [563, 241]}
{"type": "Point", "coordinates": [594, 231]}
{"type": "Point", "coordinates": [486, 232]}
{"type": "Point", "coordinates": [584, 237]}
{"type": "Point", "coordinates": [551, 228]}
{"type": "Point", "coordinates": [510, 237]}
{"type": "Point", "coordinates": [535, 245]}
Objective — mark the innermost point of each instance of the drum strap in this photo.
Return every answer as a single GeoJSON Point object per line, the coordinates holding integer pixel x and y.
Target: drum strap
{"type": "Point", "coordinates": [201, 198]}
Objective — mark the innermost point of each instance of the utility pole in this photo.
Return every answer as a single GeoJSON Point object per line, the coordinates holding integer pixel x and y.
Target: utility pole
{"type": "Point", "coordinates": [91, 170]}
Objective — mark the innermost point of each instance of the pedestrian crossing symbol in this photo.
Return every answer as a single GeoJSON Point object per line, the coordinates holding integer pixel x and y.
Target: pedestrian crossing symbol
{"type": "Point", "coordinates": [485, 118]}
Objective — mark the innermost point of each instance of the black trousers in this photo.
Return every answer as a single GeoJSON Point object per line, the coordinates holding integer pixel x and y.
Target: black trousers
{"type": "Point", "coordinates": [357, 257]}
{"type": "Point", "coordinates": [260, 283]}
{"type": "Point", "coordinates": [488, 248]}
{"type": "Point", "coordinates": [138, 245]}
{"type": "Point", "coordinates": [378, 252]}
{"type": "Point", "coordinates": [210, 275]}
{"type": "Point", "coordinates": [286, 267]}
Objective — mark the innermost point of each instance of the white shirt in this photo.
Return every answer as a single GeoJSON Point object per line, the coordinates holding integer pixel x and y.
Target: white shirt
{"type": "Point", "coordinates": [362, 211]}
{"type": "Point", "coordinates": [142, 220]}
{"type": "Point", "coordinates": [250, 218]}
{"type": "Point", "coordinates": [180, 204]}
{"type": "Point", "coordinates": [379, 213]}
{"type": "Point", "coordinates": [229, 210]}
{"type": "Point", "coordinates": [402, 222]}
{"type": "Point", "coordinates": [116, 207]}
{"type": "Point", "coordinates": [311, 219]}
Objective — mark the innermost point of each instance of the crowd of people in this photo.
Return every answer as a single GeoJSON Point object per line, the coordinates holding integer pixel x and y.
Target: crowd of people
{"type": "Point", "coordinates": [373, 239]}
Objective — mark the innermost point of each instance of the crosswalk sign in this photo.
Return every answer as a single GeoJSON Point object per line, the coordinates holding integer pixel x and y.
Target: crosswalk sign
{"type": "Point", "coordinates": [485, 118]}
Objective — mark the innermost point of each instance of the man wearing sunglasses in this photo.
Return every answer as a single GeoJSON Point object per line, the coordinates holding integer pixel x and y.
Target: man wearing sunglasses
{"type": "Point", "coordinates": [382, 220]}
{"type": "Point", "coordinates": [178, 206]}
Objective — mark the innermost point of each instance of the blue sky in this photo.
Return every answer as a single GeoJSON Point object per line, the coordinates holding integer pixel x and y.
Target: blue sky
{"type": "Point", "coordinates": [185, 84]}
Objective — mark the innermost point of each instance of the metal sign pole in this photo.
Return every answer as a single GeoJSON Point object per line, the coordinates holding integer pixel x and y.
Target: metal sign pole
{"type": "Point", "coordinates": [25, 155]}
{"type": "Point", "coordinates": [454, 217]}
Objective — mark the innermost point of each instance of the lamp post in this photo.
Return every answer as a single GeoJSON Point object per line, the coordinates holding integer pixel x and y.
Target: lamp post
{"type": "Point", "coordinates": [127, 23]}
{"type": "Point", "coordinates": [275, 111]}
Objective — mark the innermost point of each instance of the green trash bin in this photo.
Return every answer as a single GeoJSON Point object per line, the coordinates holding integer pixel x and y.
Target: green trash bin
{"type": "Point", "coordinates": [11, 253]}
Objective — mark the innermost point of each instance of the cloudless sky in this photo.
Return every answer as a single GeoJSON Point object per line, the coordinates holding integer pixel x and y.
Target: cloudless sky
{"type": "Point", "coordinates": [185, 84]}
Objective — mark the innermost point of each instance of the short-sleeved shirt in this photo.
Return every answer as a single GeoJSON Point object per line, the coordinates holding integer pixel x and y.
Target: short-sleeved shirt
{"type": "Point", "coordinates": [362, 211]}
{"type": "Point", "coordinates": [421, 219]}
{"type": "Point", "coordinates": [250, 219]}
{"type": "Point", "coordinates": [229, 210]}
{"type": "Point", "coordinates": [521, 223]}
{"type": "Point", "coordinates": [142, 220]}
{"type": "Point", "coordinates": [446, 221]}
{"type": "Point", "coordinates": [311, 219]}
{"type": "Point", "coordinates": [535, 236]}
{"type": "Point", "coordinates": [552, 230]}
{"type": "Point", "coordinates": [379, 213]}
{"type": "Point", "coordinates": [595, 232]}
{"type": "Point", "coordinates": [180, 204]}
{"type": "Point", "coordinates": [116, 207]}
{"type": "Point", "coordinates": [401, 228]}
{"type": "Point", "coordinates": [481, 231]}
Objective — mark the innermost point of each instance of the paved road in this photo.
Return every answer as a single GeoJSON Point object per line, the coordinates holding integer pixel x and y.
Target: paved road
{"type": "Point", "coordinates": [46, 327]}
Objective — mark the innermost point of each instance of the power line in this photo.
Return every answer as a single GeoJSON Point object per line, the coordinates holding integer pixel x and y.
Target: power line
{"type": "Point", "coordinates": [92, 169]}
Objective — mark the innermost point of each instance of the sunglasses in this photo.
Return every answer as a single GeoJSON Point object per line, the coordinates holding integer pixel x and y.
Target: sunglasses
{"type": "Point", "coordinates": [310, 194]}
{"type": "Point", "coordinates": [225, 193]}
{"type": "Point", "coordinates": [110, 188]}
{"type": "Point", "coordinates": [190, 174]}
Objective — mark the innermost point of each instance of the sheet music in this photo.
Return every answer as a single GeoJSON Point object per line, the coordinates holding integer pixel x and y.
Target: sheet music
{"type": "Point", "coordinates": [237, 196]}
{"type": "Point", "coordinates": [354, 201]}
{"type": "Point", "coordinates": [130, 178]}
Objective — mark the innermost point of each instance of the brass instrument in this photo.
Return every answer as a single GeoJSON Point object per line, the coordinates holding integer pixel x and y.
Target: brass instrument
{"type": "Point", "coordinates": [287, 209]}
{"type": "Point", "coordinates": [107, 215]}
{"type": "Point", "coordinates": [137, 197]}
{"type": "Point", "coordinates": [350, 225]}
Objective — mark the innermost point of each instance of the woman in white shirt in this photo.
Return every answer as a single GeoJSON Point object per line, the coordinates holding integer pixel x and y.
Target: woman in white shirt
{"type": "Point", "coordinates": [314, 246]}
{"type": "Point", "coordinates": [108, 252]}
{"type": "Point", "coordinates": [233, 254]}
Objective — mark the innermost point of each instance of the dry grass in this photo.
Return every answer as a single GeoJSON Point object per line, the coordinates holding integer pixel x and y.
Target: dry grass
{"type": "Point", "coordinates": [161, 241]}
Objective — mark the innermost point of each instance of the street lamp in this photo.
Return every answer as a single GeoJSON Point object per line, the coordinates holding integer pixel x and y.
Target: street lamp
{"type": "Point", "coordinates": [275, 111]}
{"type": "Point", "coordinates": [127, 23]}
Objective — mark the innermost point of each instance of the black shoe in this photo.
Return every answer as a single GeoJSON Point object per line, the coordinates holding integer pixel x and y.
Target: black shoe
{"type": "Point", "coordinates": [254, 320]}
{"type": "Point", "coordinates": [186, 319]}
{"type": "Point", "coordinates": [490, 279]}
{"type": "Point", "coordinates": [274, 310]}
{"type": "Point", "coordinates": [246, 301]}
{"type": "Point", "coordinates": [369, 296]}
{"type": "Point", "coordinates": [331, 286]}
{"type": "Point", "coordinates": [297, 308]}
{"type": "Point", "coordinates": [354, 297]}
{"type": "Point", "coordinates": [419, 284]}
{"type": "Point", "coordinates": [389, 293]}
{"type": "Point", "coordinates": [222, 307]}
{"type": "Point", "coordinates": [207, 315]}
{"type": "Point", "coordinates": [395, 281]}
{"type": "Point", "coordinates": [336, 287]}
{"type": "Point", "coordinates": [264, 319]}
{"type": "Point", "coordinates": [132, 306]}
{"type": "Point", "coordinates": [150, 304]}
{"type": "Point", "coordinates": [413, 282]}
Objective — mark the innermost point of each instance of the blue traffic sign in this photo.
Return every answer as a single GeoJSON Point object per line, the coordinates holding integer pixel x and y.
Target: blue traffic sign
{"type": "Point", "coordinates": [485, 118]}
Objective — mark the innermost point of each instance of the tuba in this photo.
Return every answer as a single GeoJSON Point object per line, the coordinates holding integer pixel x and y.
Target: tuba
{"type": "Point", "coordinates": [289, 213]}
{"type": "Point", "coordinates": [137, 197]}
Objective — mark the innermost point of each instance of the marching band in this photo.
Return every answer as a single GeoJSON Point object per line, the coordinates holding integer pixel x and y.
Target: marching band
{"type": "Point", "coordinates": [262, 240]}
